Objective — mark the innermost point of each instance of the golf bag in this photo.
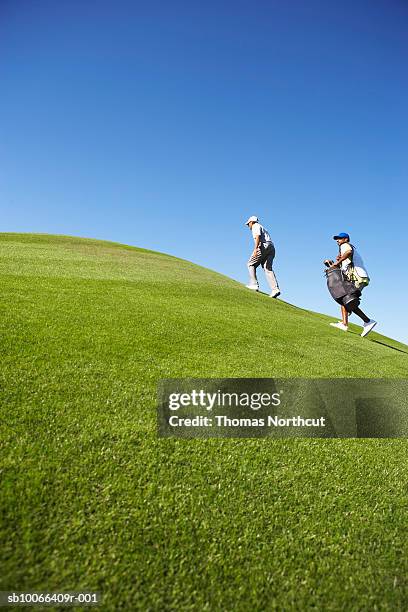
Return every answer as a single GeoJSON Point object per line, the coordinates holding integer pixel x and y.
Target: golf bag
{"type": "Point", "coordinates": [342, 290]}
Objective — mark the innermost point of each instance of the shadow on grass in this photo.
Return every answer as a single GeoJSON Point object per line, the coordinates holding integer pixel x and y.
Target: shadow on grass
{"type": "Point", "coordinates": [394, 348]}
{"type": "Point", "coordinates": [279, 300]}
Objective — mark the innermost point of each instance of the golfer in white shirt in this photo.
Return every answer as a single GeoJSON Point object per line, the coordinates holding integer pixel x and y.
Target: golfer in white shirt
{"type": "Point", "coordinates": [349, 257]}
{"type": "Point", "coordinates": [262, 255]}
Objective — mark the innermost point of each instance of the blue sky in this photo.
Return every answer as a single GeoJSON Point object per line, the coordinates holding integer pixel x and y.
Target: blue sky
{"type": "Point", "coordinates": [166, 124]}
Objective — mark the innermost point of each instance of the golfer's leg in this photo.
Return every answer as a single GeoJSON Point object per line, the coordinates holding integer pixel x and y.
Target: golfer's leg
{"type": "Point", "coordinates": [269, 273]}
{"type": "Point", "coordinates": [253, 263]}
{"type": "Point", "coordinates": [361, 314]}
{"type": "Point", "coordinates": [344, 315]}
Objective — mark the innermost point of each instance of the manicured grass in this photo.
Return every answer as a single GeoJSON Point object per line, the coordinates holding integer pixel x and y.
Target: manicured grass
{"type": "Point", "coordinates": [92, 499]}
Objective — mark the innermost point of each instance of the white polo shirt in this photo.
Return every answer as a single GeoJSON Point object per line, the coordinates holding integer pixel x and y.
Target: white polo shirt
{"type": "Point", "coordinates": [259, 230]}
{"type": "Point", "coordinates": [356, 259]}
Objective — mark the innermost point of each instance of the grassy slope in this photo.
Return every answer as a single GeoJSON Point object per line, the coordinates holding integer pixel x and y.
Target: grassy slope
{"type": "Point", "coordinates": [92, 499]}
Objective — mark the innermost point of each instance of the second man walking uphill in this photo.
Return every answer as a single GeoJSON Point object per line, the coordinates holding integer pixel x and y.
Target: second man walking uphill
{"type": "Point", "coordinates": [354, 270]}
{"type": "Point", "coordinates": [262, 255]}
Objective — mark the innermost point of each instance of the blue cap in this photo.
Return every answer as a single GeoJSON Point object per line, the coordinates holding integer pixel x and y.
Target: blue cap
{"type": "Point", "coordinates": [341, 235]}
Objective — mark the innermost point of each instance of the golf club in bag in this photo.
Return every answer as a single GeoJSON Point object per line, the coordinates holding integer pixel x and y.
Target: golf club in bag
{"type": "Point", "coordinates": [343, 291]}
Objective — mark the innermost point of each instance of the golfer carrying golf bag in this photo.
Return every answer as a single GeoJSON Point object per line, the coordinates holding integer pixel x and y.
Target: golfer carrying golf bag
{"type": "Point", "coordinates": [352, 273]}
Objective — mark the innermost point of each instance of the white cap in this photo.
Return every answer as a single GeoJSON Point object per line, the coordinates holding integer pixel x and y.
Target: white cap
{"type": "Point", "coordinates": [252, 219]}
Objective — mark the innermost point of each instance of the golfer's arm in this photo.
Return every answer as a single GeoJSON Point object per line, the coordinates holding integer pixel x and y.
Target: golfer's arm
{"type": "Point", "coordinates": [339, 259]}
{"type": "Point", "coordinates": [257, 243]}
{"type": "Point", "coordinates": [344, 256]}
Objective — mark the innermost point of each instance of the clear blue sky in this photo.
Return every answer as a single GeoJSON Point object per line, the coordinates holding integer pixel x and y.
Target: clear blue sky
{"type": "Point", "coordinates": [166, 124]}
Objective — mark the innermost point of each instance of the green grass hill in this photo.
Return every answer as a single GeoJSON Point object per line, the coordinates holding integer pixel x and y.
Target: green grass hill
{"type": "Point", "coordinates": [93, 499]}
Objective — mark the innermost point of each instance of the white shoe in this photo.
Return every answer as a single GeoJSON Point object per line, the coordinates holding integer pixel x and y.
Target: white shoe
{"type": "Point", "coordinates": [253, 287]}
{"type": "Point", "coordinates": [340, 325]}
{"type": "Point", "coordinates": [275, 293]}
{"type": "Point", "coordinates": [367, 327]}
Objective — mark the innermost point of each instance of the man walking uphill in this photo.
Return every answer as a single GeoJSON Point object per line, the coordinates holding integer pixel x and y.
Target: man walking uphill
{"type": "Point", "coordinates": [353, 267]}
{"type": "Point", "coordinates": [262, 255]}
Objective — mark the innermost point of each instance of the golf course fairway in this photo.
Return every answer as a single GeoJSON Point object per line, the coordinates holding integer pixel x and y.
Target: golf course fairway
{"type": "Point", "coordinates": [92, 499]}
